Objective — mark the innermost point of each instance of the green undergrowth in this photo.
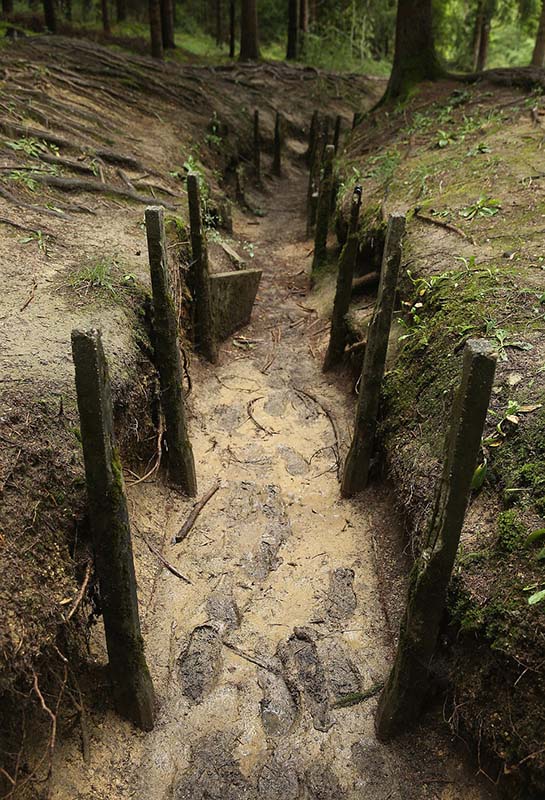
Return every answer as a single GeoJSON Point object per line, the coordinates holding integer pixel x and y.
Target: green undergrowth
{"type": "Point", "coordinates": [467, 160]}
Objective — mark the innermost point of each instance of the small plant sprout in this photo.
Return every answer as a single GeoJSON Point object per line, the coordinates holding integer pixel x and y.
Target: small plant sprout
{"type": "Point", "coordinates": [483, 207]}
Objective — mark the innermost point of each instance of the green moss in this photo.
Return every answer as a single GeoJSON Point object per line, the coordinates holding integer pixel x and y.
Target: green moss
{"type": "Point", "coordinates": [511, 531]}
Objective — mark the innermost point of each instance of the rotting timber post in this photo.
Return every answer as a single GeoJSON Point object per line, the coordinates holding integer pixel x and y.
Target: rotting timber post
{"type": "Point", "coordinates": [358, 461]}
{"type": "Point", "coordinates": [132, 685]}
{"type": "Point", "coordinates": [277, 153]}
{"type": "Point", "coordinates": [324, 208]}
{"type": "Point", "coordinates": [257, 148]}
{"type": "Point", "coordinates": [313, 135]}
{"type": "Point", "coordinates": [402, 698]}
{"type": "Point", "coordinates": [343, 294]}
{"type": "Point", "coordinates": [204, 316]}
{"type": "Point", "coordinates": [181, 466]}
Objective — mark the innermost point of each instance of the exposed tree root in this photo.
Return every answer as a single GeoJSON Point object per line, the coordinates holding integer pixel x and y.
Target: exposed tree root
{"type": "Point", "coordinates": [80, 185]}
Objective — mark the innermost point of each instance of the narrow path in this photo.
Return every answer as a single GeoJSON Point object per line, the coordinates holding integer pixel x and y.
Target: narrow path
{"type": "Point", "coordinates": [282, 618]}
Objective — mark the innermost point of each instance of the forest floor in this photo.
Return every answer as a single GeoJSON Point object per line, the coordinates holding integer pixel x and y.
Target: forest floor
{"type": "Point", "coordinates": [294, 596]}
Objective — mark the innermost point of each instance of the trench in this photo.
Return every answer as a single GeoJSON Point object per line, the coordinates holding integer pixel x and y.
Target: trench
{"type": "Point", "coordinates": [267, 663]}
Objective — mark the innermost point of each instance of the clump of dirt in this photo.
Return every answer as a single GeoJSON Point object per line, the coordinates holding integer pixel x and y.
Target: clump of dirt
{"type": "Point", "coordinates": [461, 163]}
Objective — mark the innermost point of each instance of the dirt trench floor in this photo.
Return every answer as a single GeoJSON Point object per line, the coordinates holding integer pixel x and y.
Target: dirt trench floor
{"type": "Point", "coordinates": [282, 621]}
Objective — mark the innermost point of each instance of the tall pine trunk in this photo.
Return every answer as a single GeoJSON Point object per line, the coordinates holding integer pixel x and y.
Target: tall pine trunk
{"type": "Point", "coordinates": [232, 29]}
{"type": "Point", "coordinates": [156, 34]}
{"type": "Point", "coordinates": [303, 16]}
{"type": "Point", "coordinates": [249, 38]}
{"type": "Point", "coordinates": [50, 16]}
{"type": "Point", "coordinates": [167, 24]}
{"type": "Point", "coordinates": [415, 58]}
{"type": "Point", "coordinates": [121, 10]}
{"type": "Point", "coordinates": [484, 41]}
{"type": "Point", "coordinates": [219, 23]}
{"type": "Point", "coordinates": [105, 11]}
{"type": "Point", "coordinates": [538, 56]}
{"type": "Point", "coordinates": [293, 29]}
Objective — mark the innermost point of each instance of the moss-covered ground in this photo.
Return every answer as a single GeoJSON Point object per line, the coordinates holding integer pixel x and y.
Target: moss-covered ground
{"type": "Point", "coordinates": [465, 163]}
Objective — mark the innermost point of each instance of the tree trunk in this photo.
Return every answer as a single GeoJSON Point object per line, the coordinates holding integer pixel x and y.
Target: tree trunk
{"type": "Point", "coordinates": [7, 7]}
{"type": "Point", "coordinates": [121, 10]}
{"type": "Point", "coordinates": [538, 56]}
{"type": "Point", "coordinates": [415, 58]}
{"type": "Point", "coordinates": [167, 24]}
{"type": "Point", "coordinates": [293, 29]}
{"type": "Point", "coordinates": [232, 28]}
{"type": "Point", "coordinates": [249, 39]}
{"type": "Point", "coordinates": [155, 29]}
{"type": "Point", "coordinates": [105, 11]}
{"type": "Point", "coordinates": [477, 30]}
{"type": "Point", "coordinates": [483, 44]}
{"type": "Point", "coordinates": [303, 16]}
{"type": "Point", "coordinates": [50, 16]}
{"type": "Point", "coordinates": [219, 23]}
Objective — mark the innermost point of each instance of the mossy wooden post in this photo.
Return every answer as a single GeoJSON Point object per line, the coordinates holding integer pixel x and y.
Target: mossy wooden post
{"type": "Point", "coordinates": [111, 534]}
{"type": "Point", "coordinates": [324, 208]}
{"type": "Point", "coordinates": [402, 698]}
{"type": "Point", "coordinates": [345, 274]}
{"type": "Point", "coordinates": [277, 155]}
{"type": "Point", "coordinates": [204, 314]}
{"type": "Point", "coordinates": [257, 147]}
{"type": "Point", "coordinates": [358, 461]}
{"type": "Point", "coordinates": [313, 137]}
{"type": "Point", "coordinates": [337, 134]}
{"type": "Point", "coordinates": [181, 466]}
{"type": "Point", "coordinates": [313, 180]}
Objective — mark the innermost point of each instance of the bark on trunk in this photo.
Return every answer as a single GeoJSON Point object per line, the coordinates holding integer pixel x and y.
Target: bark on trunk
{"type": "Point", "coordinates": [121, 10]}
{"type": "Point", "coordinates": [249, 39]}
{"type": "Point", "coordinates": [483, 45]}
{"type": "Point", "coordinates": [105, 11]}
{"type": "Point", "coordinates": [415, 58]}
{"type": "Point", "coordinates": [167, 24]}
{"type": "Point", "coordinates": [156, 35]}
{"type": "Point", "coordinates": [232, 29]}
{"type": "Point", "coordinates": [538, 56]}
{"type": "Point", "coordinates": [50, 16]}
{"type": "Point", "coordinates": [303, 16]}
{"type": "Point", "coordinates": [219, 23]}
{"type": "Point", "coordinates": [293, 29]}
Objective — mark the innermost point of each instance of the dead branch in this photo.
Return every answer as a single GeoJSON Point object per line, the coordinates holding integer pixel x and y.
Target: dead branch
{"type": "Point", "coordinates": [448, 226]}
{"type": "Point", "coordinates": [83, 588]}
{"type": "Point", "coordinates": [171, 568]}
{"type": "Point", "coordinates": [261, 427]}
{"type": "Point", "coordinates": [192, 518]}
{"type": "Point", "coordinates": [329, 414]}
{"type": "Point", "coordinates": [81, 185]}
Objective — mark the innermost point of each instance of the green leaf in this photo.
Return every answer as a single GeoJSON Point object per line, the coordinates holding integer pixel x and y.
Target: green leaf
{"type": "Point", "coordinates": [537, 597]}
{"type": "Point", "coordinates": [535, 536]}
{"type": "Point", "coordinates": [479, 476]}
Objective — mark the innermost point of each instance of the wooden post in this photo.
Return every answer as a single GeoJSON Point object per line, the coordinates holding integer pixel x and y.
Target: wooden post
{"type": "Point", "coordinates": [277, 158]}
{"type": "Point", "coordinates": [257, 147]}
{"type": "Point", "coordinates": [355, 119]}
{"type": "Point", "coordinates": [312, 137]}
{"type": "Point", "coordinates": [358, 462]}
{"type": "Point", "coordinates": [347, 262]}
{"type": "Point", "coordinates": [181, 466]}
{"type": "Point", "coordinates": [204, 316]}
{"type": "Point", "coordinates": [111, 533]}
{"type": "Point", "coordinates": [337, 134]}
{"type": "Point", "coordinates": [402, 698]}
{"type": "Point", "coordinates": [324, 208]}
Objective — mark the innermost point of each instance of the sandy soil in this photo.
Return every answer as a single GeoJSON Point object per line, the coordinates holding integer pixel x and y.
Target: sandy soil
{"type": "Point", "coordinates": [283, 616]}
